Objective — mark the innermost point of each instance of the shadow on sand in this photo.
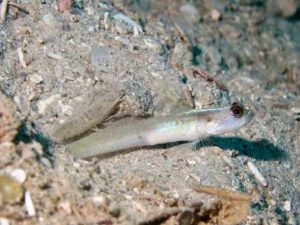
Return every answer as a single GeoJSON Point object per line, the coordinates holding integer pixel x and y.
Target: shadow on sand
{"type": "Point", "coordinates": [260, 150]}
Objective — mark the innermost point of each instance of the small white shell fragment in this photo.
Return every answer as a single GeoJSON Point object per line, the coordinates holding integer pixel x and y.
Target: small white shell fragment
{"type": "Point", "coordinates": [65, 206]}
{"type": "Point", "coordinates": [18, 174]}
{"type": "Point", "coordinates": [101, 200]}
{"type": "Point", "coordinates": [29, 206]}
{"type": "Point", "coordinates": [106, 21]}
{"type": "Point", "coordinates": [44, 103]}
{"type": "Point", "coordinates": [53, 55]}
{"type": "Point", "coordinates": [76, 165]}
{"type": "Point", "coordinates": [126, 19]}
{"type": "Point", "coordinates": [175, 194]}
{"type": "Point", "coordinates": [295, 110]}
{"type": "Point", "coordinates": [139, 206]}
{"type": "Point", "coordinates": [4, 221]}
{"type": "Point", "coordinates": [21, 57]}
{"type": "Point", "coordinates": [191, 162]}
{"type": "Point", "coordinates": [154, 45]}
{"type": "Point", "coordinates": [65, 109]}
{"type": "Point", "coordinates": [287, 206]}
{"type": "Point", "coordinates": [258, 176]}
{"type": "Point", "coordinates": [136, 31]}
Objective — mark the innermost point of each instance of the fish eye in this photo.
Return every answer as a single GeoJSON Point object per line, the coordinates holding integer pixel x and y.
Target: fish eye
{"type": "Point", "coordinates": [237, 110]}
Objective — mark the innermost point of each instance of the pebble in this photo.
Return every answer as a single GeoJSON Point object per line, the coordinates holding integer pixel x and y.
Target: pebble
{"type": "Point", "coordinates": [91, 29]}
{"type": "Point", "coordinates": [215, 14]}
{"type": "Point", "coordinates": [190, 12]}
{"type": "Point", "coordinates": [45, 103]}
{"type": "Point", "coordinates": [175, 194]}
{"type": "Point", "coordinates": [90, 11]}
{"type": "Point", "coordinates": [64, 5]}
{"type": "Point", "coordinates": [18, 174]}
{"type": "Point", "coordinates": [114, 210]}
{"type": "Point", "coordinates": [285, 9]}
{"type": "Point", "coordinates": [230, 31]}
{"type": "Point", "coordinates": [50, 21]}
{"type": "Point", "coordinates": [4, 221]}
{"type": "Point", "coordinates": [10, 190]}
{"type": "Point", "coordinates": [35, 78]}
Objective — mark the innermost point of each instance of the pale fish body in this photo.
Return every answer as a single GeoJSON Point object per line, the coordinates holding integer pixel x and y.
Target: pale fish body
{"type": "Point", "coordinates": [188, 126]}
